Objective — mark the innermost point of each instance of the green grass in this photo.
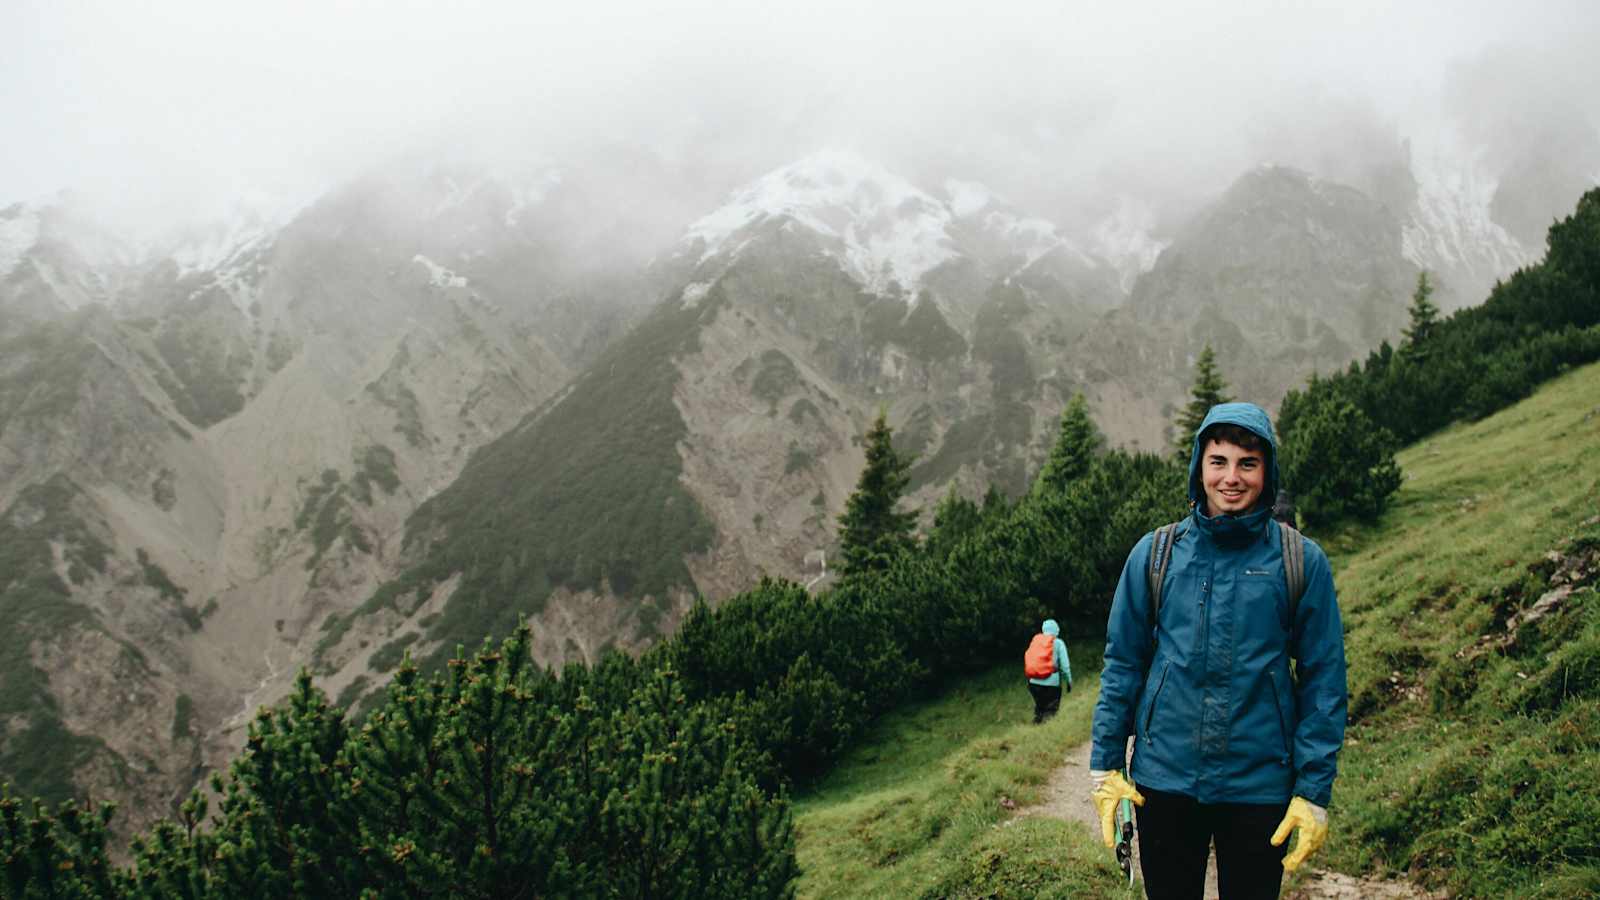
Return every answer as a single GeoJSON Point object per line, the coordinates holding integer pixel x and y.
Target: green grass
{"type": "Point", "coordinates": [1472, 774]}
{"type": "Point", "coordinates": [915, 810]}
{"type": "Point", "coordinates": [1476, 773]}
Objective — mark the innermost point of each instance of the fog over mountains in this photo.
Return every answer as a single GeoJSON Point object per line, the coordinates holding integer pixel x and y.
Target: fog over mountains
{"type": "Point", "coordinates": [432, 402]}
{"type": "Point", "coordinates": [582, 356]}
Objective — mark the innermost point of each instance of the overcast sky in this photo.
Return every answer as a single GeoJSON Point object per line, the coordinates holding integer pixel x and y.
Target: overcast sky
{"type": "Point", "coordinates": [171, 105]}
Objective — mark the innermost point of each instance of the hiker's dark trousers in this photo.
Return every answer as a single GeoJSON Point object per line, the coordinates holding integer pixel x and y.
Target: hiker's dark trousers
{"type": "Point", "coordinates": [1175, 835]}
{"type": "Point", "coordinates": [1046, 700]}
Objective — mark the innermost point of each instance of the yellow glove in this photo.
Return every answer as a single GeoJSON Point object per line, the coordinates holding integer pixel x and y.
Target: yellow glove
{"type": "Point", "coordinates": [1311, 823]}
{"type": "Point", "coordinates": [1107, 792]}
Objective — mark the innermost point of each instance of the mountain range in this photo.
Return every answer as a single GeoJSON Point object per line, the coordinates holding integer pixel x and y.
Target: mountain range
{"type": "Point", "coordinates": [441, 398]}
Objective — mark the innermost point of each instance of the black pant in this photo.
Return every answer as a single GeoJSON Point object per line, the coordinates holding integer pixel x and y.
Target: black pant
{"type": "Point", "coordinates": [1175, 835]}
{"type": "Point", "coordinates": [1046, 700]}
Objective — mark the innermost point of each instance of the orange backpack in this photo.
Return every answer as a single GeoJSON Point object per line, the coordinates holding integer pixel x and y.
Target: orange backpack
{"type": "Point", "coordinates": [1040, 660]}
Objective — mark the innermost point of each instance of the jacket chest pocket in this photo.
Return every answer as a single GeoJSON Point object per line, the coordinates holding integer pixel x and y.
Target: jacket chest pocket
{"type": "Point", "coordinates": [1262, 598]}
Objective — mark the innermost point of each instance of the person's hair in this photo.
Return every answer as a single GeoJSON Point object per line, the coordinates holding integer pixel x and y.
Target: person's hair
{"type": "Point", "coordinates": [1237, 435]}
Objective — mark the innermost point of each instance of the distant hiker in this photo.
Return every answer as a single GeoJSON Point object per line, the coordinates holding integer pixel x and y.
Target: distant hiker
{"type": "Point", "coordinates": [1283, 508]}
{"type": "Point", "coordinates": [1228, 744]}
{"type": "Point", "coordinates": [1044, 663]}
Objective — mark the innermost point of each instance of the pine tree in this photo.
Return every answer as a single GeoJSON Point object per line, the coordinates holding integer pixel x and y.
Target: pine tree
{"type": "Point", "coordinates": [1424, 316]}
{"type": "Point", "coordinates": [1340, 463]}
{"type": "Point", "coordinates": [1076, 442]}
{"type": "Point", "coordinates": [872, 532]}
{"type": "Point", "coordinates": [953, 519]}
{"type": "Point", "coordinates": [1208, 390]}
{"type": "Point", "coordinates": [996, 505]}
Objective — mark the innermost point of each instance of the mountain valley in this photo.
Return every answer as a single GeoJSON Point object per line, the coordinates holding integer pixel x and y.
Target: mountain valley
{"type": "Point", "coordinates": [431, 403]}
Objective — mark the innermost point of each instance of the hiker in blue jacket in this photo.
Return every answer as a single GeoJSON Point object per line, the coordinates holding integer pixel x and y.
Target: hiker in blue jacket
{"type": "Point", "coordinates": [1231, 744]}
{"type": "Point", "coordinates": [1046, 689]}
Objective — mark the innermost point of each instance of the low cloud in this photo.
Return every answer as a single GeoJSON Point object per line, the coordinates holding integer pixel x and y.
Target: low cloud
{"type": "Point", "coordinates": [172, 109]}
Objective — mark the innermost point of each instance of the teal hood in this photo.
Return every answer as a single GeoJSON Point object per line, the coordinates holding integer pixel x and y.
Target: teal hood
{"type": "Point", "coordinates": [1248, 416]}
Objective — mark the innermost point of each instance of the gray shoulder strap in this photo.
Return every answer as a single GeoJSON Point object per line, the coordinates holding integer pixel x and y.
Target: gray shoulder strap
{"type": "Point", "coordinates": [1160, 557]}
{"type": "Point", "coordinates": [1294, 567]}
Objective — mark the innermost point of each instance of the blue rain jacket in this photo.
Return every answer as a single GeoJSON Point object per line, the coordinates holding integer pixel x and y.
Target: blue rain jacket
{"type": "Point", "coordinates": [1207, 694]}
{"type": "Point", "coordinates": [1063, 665]}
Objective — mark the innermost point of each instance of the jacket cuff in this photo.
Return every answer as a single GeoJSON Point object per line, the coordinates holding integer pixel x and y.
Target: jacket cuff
{"type": "Point", "coordinates": [1320, 796]}
{"type": "Point", "coordinates": [1109, 760]}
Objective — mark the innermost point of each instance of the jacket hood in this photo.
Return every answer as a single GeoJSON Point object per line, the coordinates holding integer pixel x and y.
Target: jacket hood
{"type": "Point", "coordinates": [1248, 416]}
{"type": "Point", "coordinates": [1050, 627]}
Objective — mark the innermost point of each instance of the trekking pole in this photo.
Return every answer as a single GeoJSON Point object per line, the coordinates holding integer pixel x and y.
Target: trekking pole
{"type": "Point", "coordinates": [1124, 823]}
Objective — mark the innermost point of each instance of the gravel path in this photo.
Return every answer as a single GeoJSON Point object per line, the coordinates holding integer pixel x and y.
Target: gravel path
{"type": "Point", "coordinates": [1067, 797]}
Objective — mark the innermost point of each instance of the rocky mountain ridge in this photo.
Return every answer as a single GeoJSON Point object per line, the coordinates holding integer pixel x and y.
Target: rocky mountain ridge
{"type": "Point", "coordinates": [234, 449]}
{"type": "Point", "coordinates": [426, 405]}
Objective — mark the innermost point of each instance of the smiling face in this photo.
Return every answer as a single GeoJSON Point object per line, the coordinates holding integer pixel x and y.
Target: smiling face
{"type": "Point", "coordinates": [1232, 476]}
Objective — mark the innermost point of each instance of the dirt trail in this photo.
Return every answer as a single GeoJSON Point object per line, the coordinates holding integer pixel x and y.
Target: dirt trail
{"type": "Point", "coordinates": [1067, 797]}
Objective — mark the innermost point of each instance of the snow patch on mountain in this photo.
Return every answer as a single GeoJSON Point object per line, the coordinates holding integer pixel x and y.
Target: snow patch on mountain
{"type": "Point", "coordinates": [967, 197]}
{"type": "Point", "coordinates": [1035, 238]}
{"type": "Point", "coordinates": [439, 276]}
{"type": "Point", "coordinates": [694, 293]}
{"type": "Point", "coordinates": [19, 231]}
{"type": "Point", "coordinates": [1451, 228]}
{"type": "Point", "coordinates": [887, 229]}
{"type": "Point", "coordinates": [1031, 237]}
{"type": "Point", "coordinates": [1125, 240]}
{"type": "Point", "coordinates": [222, 246]}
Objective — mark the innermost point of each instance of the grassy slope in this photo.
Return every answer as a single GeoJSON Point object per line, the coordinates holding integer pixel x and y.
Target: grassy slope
{"type": "Point", "coordinates": [1477, 777]}
{"type": "Point", "coordinates": [1450, 782]}
{"type": "Point", "coordinates": [916, 810]}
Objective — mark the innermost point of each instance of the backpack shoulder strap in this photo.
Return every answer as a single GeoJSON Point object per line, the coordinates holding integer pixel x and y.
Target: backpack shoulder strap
{"type": "Point", "coordinates": [1156, 569]}
{"type": "Point", "coordinates": [1294, 567]}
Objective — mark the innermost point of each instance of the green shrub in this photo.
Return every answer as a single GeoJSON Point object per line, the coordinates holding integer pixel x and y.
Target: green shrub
{"type": "Point", "coordinates": [157, 577]}
{"type": "Point", "coordinates": [182, 717]}
{"type": "Point", "coordinates": [375, 466]}
{"type": "Point", "coordinates": [928, 335]}
{"type": "Point", "coordinates": [1335, 460]}
{"type": "Point", "coordinates": [775, 377]}
{"type": "Point", "coordinates": [387, 657]}
{"type": "Point", "coordinates": [352, 692]}
{"type": "Point", "coordinates": [38, 754]}
{"type": "Point", "coordinates": [210, 372]}
{"type": "Point", "coordinates": [489, 779]}
{"type": "Point", "coordinates": [803, 408]}
{"type": "Point", "coordinates": [799, 460]}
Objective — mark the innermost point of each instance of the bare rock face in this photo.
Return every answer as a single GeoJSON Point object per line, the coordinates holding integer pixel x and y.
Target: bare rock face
{"type": "Point", "coordinates": [148, 752]}
{"type": "Point", "coordinates": [1283, 275]}
{"type": "Point", "coordinates": [234, 453]}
